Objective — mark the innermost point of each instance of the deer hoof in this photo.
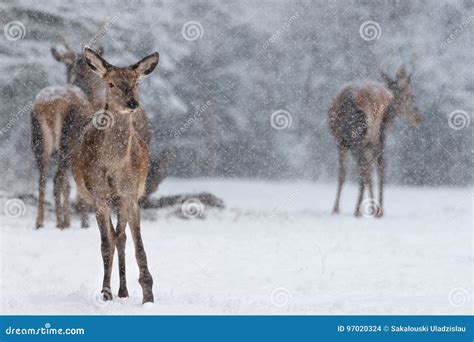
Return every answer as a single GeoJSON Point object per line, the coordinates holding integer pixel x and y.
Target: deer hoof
{"type": "Point", "coordinates": [379, 213]}
{"type": "Point", "coordinates": [106, 294]}
{"type": "Point", "coordinates": [60, 225]}
{"type": "Point", "coordinates": [123, 292]}
{"type": "Point", "coordinates": [148, 299]}
{"type": "Point", "coordinates": [357, 213]}
{"type": "Point", "coordinates": [335, 211]}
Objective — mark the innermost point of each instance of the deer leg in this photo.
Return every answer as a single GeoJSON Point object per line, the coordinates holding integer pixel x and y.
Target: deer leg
{"type": "Point", "coordinates": [145, 279]}
{"type": "Point", "coordinates": [122, 219]}
{"type": "Point", "coordinates": [362, 176]}
{"type": "Point", "coordinates": [57, 199]}
{"type": "Point", "coordinates": [61, 187]}
{"type": "Point", "coordinates": [107, 236]}
{"type": "Point", "coordinates": [84, 209]}
{"type": "Point", "coordinates": [40, 151]}
{"type": "Point", "coordinates": [369, 183]}
{"type": "Point", "coordinates": [43, 167]}
{"type": "Point", "coordinates": [381, 175]}
{"type": "Point", "coordinates": [342, 177]}
{"type": "Point", "coordinates": [66, 204]}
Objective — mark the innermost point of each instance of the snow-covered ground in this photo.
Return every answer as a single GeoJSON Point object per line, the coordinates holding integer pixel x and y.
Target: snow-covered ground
{"type": "Point", "coordinates": [274, 249]}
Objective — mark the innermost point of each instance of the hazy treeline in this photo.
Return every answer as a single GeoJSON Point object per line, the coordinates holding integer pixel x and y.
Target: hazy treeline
{"type": "Point", "coordinates": [226, 67]}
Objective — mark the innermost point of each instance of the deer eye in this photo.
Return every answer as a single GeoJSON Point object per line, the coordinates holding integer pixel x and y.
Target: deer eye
{"type": "Point", "coordinates": [111, 85]}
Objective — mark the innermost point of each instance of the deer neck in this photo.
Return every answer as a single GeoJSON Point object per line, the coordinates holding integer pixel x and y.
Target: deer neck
{"type": "Point", "coordinates": [118, 138]}
{"type": "Point", "coordinates": [390, 114]}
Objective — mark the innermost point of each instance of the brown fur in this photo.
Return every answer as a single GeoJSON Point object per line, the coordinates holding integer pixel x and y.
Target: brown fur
{"type": "Point", "coordinates": [358, 119]}
{"type": "Point", "coordinates": [110, 167]}
{"type": "Point", "coordinates": [58, 115]}
{"type": "Point", "coordinates": [52, 118]}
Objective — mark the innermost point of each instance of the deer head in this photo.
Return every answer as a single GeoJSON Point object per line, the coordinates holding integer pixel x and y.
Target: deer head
{"type": "Point", "coordinates": [121, 83]}
{"type": "Point", "coordinates": [404, 98]}
{"type": "Point", "coordinates": [77, 70]}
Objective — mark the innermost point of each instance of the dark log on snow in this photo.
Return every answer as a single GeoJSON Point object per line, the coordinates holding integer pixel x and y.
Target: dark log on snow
{"type": "Point", "coordinates": [206, 198]}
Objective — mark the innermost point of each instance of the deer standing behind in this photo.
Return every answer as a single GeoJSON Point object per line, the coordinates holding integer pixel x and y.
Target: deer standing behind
{"type": "Point", "coordinates": [57, 114]}
{"type": "Point", "coordinates": [110, 167]}
{"type": "Point", "coordinates": [358, 119]}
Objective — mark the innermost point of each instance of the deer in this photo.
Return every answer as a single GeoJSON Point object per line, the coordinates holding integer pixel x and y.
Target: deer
{"type": "Point", "coordinates": [359, 118]}
{"type": "Point", "coordinates": [110, 168]}
{"type": "Point", "coordinates": [80, 74]}
{"type": "Point", "coordinates": [57, 115]}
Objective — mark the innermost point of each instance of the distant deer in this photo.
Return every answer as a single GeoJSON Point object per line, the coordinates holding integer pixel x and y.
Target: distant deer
{"type": "Point", "coordinates": [359, 118]}
{"type": "Point", "coordinates": [58, 113]}
{"type": "Point", "coordinates": [111, 165]}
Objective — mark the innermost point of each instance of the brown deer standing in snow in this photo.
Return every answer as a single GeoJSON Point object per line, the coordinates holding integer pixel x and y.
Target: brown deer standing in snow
{"type": "Point", "coordinates": [110, 167]}
{"type": "Point", "coordinates": [359, 118]}
{"type": "Point", "coordinates": [58, 113]}
{"type": "Point", "coordinates": [51, 109]}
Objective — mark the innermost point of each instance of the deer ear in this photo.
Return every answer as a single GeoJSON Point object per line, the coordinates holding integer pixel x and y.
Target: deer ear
{"type": "Point", "coordinates": [95, 62]}
{"type": "Point", "coordinates": [385, 77]}
{"type": "Point", "coordinates": [147, 64]}
{"type": "Point", "coordinates": [401, 73]}
{"type": "Point", "coordinates": [65, 56]}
